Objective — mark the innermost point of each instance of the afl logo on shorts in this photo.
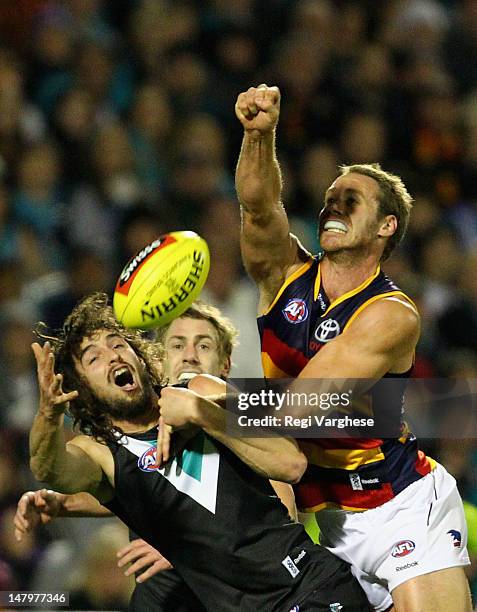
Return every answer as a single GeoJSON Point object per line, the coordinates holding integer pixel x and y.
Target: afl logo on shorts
{"type": "Point", "coordinates": [147, 461]}
{"type": "Point", "coordinates": [295, 311]}
{"type": "Point", "coordinates": [327, 330]}
{"type": "Point", "coordinates": [403, 548]}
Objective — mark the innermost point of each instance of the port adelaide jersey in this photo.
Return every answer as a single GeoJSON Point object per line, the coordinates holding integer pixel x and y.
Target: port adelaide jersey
{"type": "Point", "coordinates": [219, 523]}
{"type": "Point", "coordinates": [349, 473]}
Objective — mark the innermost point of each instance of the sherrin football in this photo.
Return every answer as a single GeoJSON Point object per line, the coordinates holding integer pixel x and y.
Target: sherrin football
{"type": "Point", "coordinates": [162, 280]}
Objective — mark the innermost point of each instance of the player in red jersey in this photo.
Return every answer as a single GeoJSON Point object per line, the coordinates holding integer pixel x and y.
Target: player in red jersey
{"type": "Point", "coordinates": [330, 320]}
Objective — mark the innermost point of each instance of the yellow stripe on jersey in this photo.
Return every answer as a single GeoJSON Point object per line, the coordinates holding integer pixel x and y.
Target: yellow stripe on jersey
{"type": "Point", "coordinates": [373, 299]}
{"type": "Point", "coordinates": [324, 505]}
{"type": "Point", "coordinates": [340, 458]}
{"type": "Point", "coordinates": [301, 270]}
{"type": "Point", "coordinates": [271, 370]}
{"type": "Point", "coordinates": [349, 294]}
{"type": "Point", "coordinates": [316, 290]}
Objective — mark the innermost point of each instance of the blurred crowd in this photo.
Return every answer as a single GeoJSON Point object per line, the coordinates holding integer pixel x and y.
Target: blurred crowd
{"type": "Point", "coordinates": [117, 124]}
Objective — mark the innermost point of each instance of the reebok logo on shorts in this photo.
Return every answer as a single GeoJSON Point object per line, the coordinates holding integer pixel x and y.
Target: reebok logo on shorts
{"type": "Point", "coordinates": [407, 566]}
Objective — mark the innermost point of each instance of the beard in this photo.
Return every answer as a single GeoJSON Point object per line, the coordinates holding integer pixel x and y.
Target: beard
{"type": "Point", "coordinates": [130, 408]}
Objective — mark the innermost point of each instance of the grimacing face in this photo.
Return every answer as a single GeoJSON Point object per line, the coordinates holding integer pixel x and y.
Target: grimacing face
{"type": "Point", "coordinates": [349, 219]}
{"type": "Point", "coordinates": [192, 347]}
{"type": "Point", "coordinates": [115, 374]}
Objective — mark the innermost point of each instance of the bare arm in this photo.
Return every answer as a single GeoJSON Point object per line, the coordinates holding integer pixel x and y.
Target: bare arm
{"type": "Point", "coordinates": [83, 504]}
{"type": "Point", "coordinates": [64, 466]}
{"type": "Point", "coordinates": [277, 457]}
{"type": "Point", "coordinates": [268, 248]}
{"type": "Point", "coordinates": [43, 506]}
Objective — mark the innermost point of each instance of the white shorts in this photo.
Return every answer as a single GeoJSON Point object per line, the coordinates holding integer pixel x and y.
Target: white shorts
{"type": "Point", "coordinates": [421, 530]}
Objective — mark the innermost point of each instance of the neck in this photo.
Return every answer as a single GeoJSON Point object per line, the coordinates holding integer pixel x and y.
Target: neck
{"type": "Point", "coordinates": [146, 421]}
{"type": "Point", "coordinates": [341, 272]}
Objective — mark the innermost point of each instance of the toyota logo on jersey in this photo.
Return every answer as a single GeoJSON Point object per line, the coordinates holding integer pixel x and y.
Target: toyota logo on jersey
{"type": "Point", "coordinates": [327, 330]}
{"type": "Point", "coordinates": [295, 311]}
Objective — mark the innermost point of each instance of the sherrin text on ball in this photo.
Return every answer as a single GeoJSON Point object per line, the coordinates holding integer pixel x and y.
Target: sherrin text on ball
{"type": "Point", "coordinates": [162, 280]}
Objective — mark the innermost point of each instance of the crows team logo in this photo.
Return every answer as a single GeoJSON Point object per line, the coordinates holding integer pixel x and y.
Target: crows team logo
{"type": "Point", "coordinates": [456, 537]}
{"type": "Point", "coordinates": [403, 548]}
{"type": "Point", "coordinates": [295, 311]}
{"type": "Point", "coordinates": [147, 461]}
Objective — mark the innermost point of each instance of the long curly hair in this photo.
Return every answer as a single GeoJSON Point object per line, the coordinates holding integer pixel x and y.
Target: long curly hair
{"type": "Point", "coordinates": [90, 315]}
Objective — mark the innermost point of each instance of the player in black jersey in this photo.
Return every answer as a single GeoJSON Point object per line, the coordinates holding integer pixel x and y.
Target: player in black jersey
{"type": "Point", "coordinates": [219, 522]}
{"type": "Point", "coordinates": [187, 353]}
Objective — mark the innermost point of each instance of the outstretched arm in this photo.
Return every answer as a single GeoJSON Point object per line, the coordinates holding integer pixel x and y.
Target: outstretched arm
{"type": "Point", "coordinates": [67, 468]}
{"type": "Point", "coordinates": [43, 506]}
{"type": "Point", "coordinates": [268, 248]}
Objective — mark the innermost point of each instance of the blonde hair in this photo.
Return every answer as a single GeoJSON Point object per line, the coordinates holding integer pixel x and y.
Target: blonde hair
{"type": "Point", "coordinates": [226, 332]}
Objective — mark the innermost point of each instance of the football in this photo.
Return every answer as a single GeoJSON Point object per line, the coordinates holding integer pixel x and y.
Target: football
{"type": "Point", "coordinates": [161, 281]}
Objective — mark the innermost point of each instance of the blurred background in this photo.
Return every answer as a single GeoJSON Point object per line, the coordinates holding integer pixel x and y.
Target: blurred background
{"type": "Point", "coordinates": [117, 124]}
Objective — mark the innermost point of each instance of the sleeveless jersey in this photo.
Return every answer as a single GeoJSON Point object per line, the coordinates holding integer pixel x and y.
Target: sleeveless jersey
{"type": "Point", "coordinates": [219, 523]}
{"type": "Point", "coordinates": [353, 474]}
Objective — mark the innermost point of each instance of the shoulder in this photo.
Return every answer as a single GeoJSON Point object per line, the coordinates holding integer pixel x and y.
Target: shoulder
{"type": "Point", "coordinates": [100, 455]}
{"type": "Point", "coordinates": [90, 446]}
{"type": "Point", "coordinates": [388, 317]}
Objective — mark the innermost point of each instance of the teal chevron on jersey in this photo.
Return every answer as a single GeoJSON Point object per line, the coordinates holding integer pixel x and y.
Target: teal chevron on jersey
{"type": "Point", "coordinates": [193, 471]}
{"type": "Point", "coordinates": [191, 460]}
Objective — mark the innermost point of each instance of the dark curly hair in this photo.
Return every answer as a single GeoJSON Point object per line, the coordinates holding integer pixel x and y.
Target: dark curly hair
{"type": "Point", "coordinates": [90, 315]}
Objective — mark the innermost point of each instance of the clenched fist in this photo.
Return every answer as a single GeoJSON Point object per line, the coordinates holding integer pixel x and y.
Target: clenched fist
{"type": "Point", "coordinates": [258, 109]}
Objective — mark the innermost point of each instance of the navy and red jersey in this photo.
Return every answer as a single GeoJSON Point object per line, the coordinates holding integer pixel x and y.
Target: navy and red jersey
{"type": "Point", "coordinates": [349, 473]}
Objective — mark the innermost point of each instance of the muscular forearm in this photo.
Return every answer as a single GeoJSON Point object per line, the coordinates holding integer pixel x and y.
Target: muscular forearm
{"type": "Point", "coordinates": [258, 177]}
{"type": "Point", "coordinates": [48, 449]}
{"type": "Point", "coordinates": [278, 458]}
{"type": "Point", "coordinates": [65, 468]}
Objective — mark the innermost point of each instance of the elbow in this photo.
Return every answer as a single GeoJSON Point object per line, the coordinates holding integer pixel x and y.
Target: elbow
{"type": "Point", "coordinates": [295, 469]}
{"type": "Point", "coordinates": [45, 475]}
{"type": "Point", "coordinates": [40, 472]}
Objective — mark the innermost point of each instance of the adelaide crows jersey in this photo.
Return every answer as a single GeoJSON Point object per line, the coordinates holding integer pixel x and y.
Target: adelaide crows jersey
{"type": "Point", "coordinates": [220, 524]}
{"type": "Point", "coordinates": [351, 473]}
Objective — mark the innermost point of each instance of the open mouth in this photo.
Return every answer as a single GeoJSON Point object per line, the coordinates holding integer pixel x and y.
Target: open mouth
{"type": "Point", "coordinates": [336, 227]}
{"type": "Point", "coordinates": [123, 377]}
{"type": "Point", "coordinates": [187, 375]}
